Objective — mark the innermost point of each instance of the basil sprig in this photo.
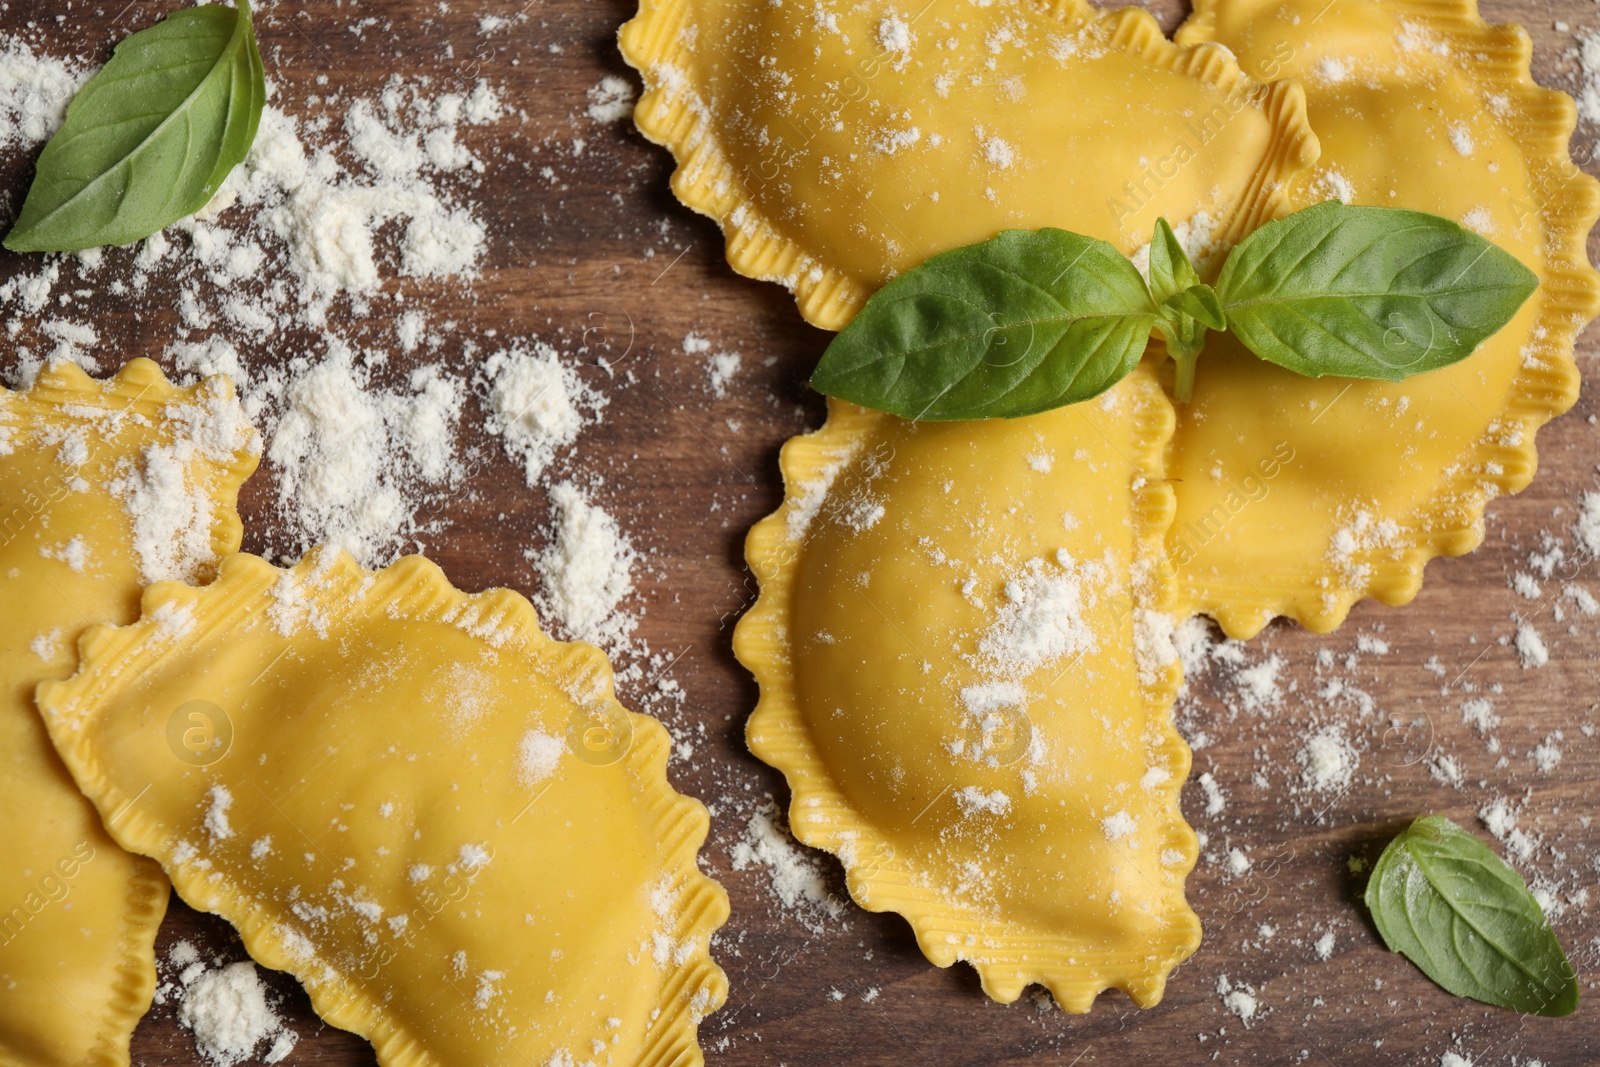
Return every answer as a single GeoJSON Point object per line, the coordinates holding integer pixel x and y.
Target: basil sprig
{"type": "Point", "coordinates": [1036, 319]}
{"type": "Point", "coordinates": [152, 135]}
{"type": "Point", "coordinates": [1188, 307]}
{"type": "Point", "coordinates": [1447, 903]}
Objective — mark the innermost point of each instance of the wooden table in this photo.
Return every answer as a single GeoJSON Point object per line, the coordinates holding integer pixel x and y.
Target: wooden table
{"type": "Point", "coordinates": [606, 249]}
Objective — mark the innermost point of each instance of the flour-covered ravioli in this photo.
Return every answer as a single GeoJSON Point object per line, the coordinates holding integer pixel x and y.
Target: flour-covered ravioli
{"type": "Point", "coordinates": [437, 818]}
{"type": "Point", "coordinates": [1300, 496]}
{"type": "Point", "coordinates": [104, 485]}
{"type": "Point", "coordinates": [965, 679]}
{"type": "Point", "coordinates": [839, 143]}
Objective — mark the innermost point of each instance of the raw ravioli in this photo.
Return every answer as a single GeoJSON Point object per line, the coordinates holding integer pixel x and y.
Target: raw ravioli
{"type": "Point", "coordinates": [1300, 496]}
{"type": "Point", "coordinates": [104, 485]}
{"type": "Point", "coordinates": [839, 144]}
{"type": "Point", "coordinates": [437, 818]}
{"type": "Point", "coordinates": [967, 679]}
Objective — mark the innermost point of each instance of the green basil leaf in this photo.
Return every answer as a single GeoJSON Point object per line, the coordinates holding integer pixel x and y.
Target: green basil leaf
{"type": "Point", "coordinates": [1443, 900]}
{"type": "Point", "coordinates": [1170, 269]}
{"type": "Point", "coordinates": [1016, 325]}
{"type": "Point", "coordinates": [1368, 292]}
{"type": "Point", "coordinates": [1198, 302]}
{"type": "Point", "coordinates": [151, 136]}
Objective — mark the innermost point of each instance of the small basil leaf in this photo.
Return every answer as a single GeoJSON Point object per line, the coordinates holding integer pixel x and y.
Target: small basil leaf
{"type": "Point", "coordinates": [1443, 900]}
{"type": "Point", "coordinates": [1016, 325]}
{"type": "Point", "coordinates": [1368, 292]}
{"type": "Point", "coordinates": [1170, 269]}
{"type": "Point", "coordinates": [151, 136]}
{"type": "Point", "coordinates": [1198, 302]}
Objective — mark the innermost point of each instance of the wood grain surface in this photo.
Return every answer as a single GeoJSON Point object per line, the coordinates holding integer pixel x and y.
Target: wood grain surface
{"type": "Point", "coordinates": [600, 259]}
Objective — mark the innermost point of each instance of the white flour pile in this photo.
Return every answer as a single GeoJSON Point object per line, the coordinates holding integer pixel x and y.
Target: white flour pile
{"type": "Point", "coordinates": [1531, 649]}
{"type": "Point", "coordinates": [611, 99]}
{"type": "Point", "coordinates": [537, 403]}
{"type": "Point", "coordinates": [538, 756]}
{"type": "Point", "coordinates": [720, 366]}
{"type": "Point", "coordinates": [225, 1006]}
{"type": "Point", "coordinates": [34, 93]}
{"type": "Point", "coordinates": [1328, 760]}
{"type": "Point", "coordinates": [228, 1012]}
{"type": "Point", "coordinates": [795, 877]}
{"type": "Point", "coordinates": [1239, 999]}
{"type": "Point", "coordinates": [347, 451]}
{"type": "Point", "coordinates": [1042, 619]}
{"type": "Point", "coordinates": [172, 512]}
{"type": "Point", "coordinates": [325, 218]}
{"type": "Point", "coordinates": [1586, 57]}
{"type": "Point", "coordinates": [1587, 529]}
{"type": "Point", "coordinates": [586, 571]}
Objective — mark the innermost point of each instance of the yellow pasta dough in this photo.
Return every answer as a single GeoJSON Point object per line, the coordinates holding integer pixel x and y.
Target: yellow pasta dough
{"type": "Point", "coordinates": [965, 680]}
{"type": "Point", "coordinates": [437, 818]}
{"type": "Point", "coordinates": [103, 485]}
{"type": "Point", "coordinates": [1299, 496]}
{"type": "Point", "coordinates": [839, 144]}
